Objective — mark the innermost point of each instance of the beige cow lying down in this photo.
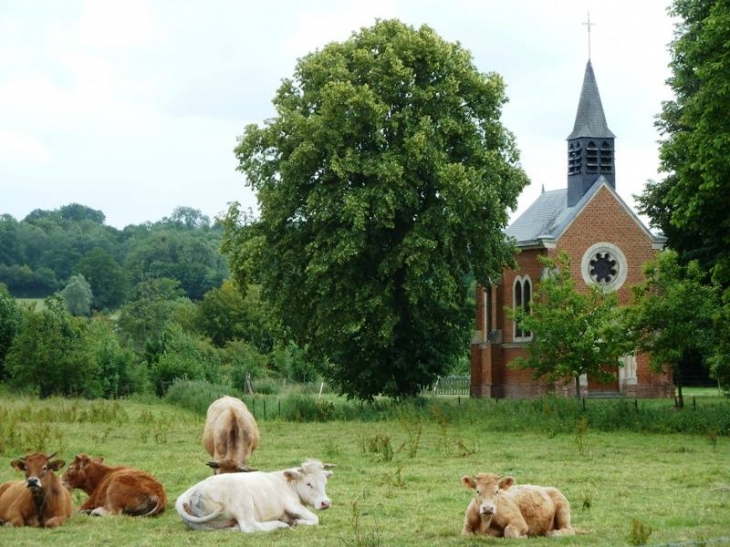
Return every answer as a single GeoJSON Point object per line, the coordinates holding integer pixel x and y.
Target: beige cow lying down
{"type": "Point", "coordinates": [502, 509]}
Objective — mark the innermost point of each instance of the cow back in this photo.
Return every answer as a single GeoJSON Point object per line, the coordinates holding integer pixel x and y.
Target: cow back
{"type": "Point", "coordinates": [231, 434]}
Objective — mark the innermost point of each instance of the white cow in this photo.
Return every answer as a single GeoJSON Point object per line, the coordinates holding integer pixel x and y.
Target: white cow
{"type": "Point", "coordinates": [257, 501]}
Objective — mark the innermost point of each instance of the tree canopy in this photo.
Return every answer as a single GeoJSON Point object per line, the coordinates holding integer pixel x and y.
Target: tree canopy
{"type": "Point", "coordinates": [384, 183]}
{"type": "Point", "coordinates": [690, 205]}
{"type": "Point", "coordinates": [673, 314]}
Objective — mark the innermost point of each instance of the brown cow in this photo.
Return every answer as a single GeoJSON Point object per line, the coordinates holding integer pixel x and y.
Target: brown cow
{"type": "Point", "coordinates": [501, 509]}
{"type": "Point", "coordinates": [230, 435]}
{"type": "Point", "coordinates": [115, 490]}
{"type": "Point", "coordinates": [39, 500]}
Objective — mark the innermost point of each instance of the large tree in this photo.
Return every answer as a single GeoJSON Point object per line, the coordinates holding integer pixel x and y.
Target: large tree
{"type": "Point", "coordinates": [691, 204]}
{"type": "Point", "coordinates": [383, 182]}
{"type": "Point", "coordinates": [674, 314]}
{"type": "Point", "coordinates": [574, 332]}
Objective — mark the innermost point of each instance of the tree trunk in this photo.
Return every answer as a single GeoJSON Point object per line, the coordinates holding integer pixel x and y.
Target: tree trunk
{"type": "Point", "coordinates": [577, 387]}
{"type": "Point", "coordinates": [680, 396]}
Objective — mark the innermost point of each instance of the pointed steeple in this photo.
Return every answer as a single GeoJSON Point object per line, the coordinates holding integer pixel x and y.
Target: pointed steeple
{"type": "Point", "coordinates": [590, 145]}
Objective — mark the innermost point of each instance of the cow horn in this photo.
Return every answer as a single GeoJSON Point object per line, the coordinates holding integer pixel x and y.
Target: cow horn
{"type": "Point", "coordinates": [244, 469]}
{"type": "Point", "coordinates": [329, 465]}
{"type": "Point", "coordinates": [214, 465]}
{"type": "Point", "coordinates": [56, 452]}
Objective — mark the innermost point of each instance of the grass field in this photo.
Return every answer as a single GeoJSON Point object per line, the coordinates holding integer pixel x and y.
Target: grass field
{"type": "Point", "coordinates": [396, 482]}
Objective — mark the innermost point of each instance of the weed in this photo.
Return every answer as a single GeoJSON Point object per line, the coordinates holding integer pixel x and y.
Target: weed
{"type": "Point", "coordinates": [587, 501]}
{"type": "Point", "coordinates": [397, 480]}
{"type": "Point", "coordinates": [362, 537]}
{"type": "Point", "coordinates": [639, 533]}
{"type": "Point", "coordinates": [381, 445]}
{"type": "Point", "coordinates": [581, 428]}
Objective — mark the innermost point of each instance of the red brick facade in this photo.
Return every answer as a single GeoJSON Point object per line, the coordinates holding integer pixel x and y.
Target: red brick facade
{"type": "Point", "coordinates": [603, 218]}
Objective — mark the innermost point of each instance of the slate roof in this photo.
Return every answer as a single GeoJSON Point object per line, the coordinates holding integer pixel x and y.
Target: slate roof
{"type": "Point", "coordinates": [549, 216]}
{"type": "Point", "coordinates": [590, 120]}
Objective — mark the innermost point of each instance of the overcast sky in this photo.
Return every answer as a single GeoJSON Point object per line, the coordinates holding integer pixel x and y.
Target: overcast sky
{"type": "Point", "coordinates": [132, 107]}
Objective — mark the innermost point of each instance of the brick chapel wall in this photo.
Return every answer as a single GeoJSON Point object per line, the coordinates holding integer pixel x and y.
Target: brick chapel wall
{"type": "Point", "coordinates": [604, 219]}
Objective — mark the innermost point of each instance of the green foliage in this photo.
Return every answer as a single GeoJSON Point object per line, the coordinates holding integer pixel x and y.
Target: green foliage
{"type": "Point", "coordinates": [196, 395]}
{"type": "Point", "coordinates": [690, 204]}
{"type": "Point", "coordinates": [10, 321]}
{"type": "Point", "coordinates": [574, 332]}
{"type": "Point", "coordinates": [183, 357]}
{"type": "Point", "coordinates": [143, 319]}
{"type": "Point", "coordinates": [78, 296]}
{"type": "Point", "coordinates": [106, 277]}
{"type": "Point", "coordinates": [227, 314]}
{"type": "Point", "coordinates": [120, 372]}
{"type": "Point", "coordinates": [383, 184]}
{"type": "Point", "coordinates": [673, 313]}
{"type": "Point", "coordinates": [50, 354]}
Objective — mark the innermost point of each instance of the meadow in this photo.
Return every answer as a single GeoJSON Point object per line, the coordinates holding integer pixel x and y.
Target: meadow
{"type": "Point", "coordinates": [397, 480]}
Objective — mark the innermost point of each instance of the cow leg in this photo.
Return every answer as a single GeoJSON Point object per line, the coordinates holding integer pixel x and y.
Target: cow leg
{"type": "Point", "coordinates": [561, 522]}
{"type": "Point", "coordinates": [55, 521]}
{"type": "Point", "coordinates": [516, 529]}
{"type": "Point", "coordinates": [302, 515]}
{"type": "Point", "coordinates": [266, 526]}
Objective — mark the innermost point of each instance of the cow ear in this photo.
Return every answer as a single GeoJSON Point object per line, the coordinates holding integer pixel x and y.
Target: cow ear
{"type": "Point", "coordinates": [291, 475]}
{"type": "Point", "coordinates": [55, 465]}
{"type": "Point", "coordinates": [18, 465]}
{"type": "Point", "coordinates": [212, 464]}
{"type": "Point", "coordinates": [468, 481]}
{"type": "Point", "coordinates": [506, 482]}
{"type": "Point", "coordinates": [98, 459]}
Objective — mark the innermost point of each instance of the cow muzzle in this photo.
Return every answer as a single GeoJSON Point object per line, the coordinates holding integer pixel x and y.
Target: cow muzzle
{"type": "Point", "coordinates": [324, 504]}
{"type": "Point", "coordinates": [34, 483]}
{"type": "Point", "coordinates": [487, 511]}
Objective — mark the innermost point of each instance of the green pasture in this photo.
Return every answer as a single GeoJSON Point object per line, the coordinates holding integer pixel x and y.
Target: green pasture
{"type": "Point", "coordinates": [397, 477]}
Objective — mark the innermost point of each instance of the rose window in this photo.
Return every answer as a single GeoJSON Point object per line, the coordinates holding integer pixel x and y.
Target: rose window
{"type": "Point", "coordinates": [604, 265]}
{"type": "Point", "coordinates": [603, 268]}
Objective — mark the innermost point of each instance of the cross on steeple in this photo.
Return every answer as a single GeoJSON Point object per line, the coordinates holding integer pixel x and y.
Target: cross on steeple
{"type": "Point", "coordinates": [588, 24]}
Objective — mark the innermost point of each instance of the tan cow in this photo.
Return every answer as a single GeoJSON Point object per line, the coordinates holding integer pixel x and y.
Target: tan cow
{"type": "Point", "coordinates": [501, 509]}
{"type": "Point", "coordinates": [115, 490]}
{"type": "Point", "coordinates": [40, 499]}
{"type": "Point", "coordinates": [230, 435]}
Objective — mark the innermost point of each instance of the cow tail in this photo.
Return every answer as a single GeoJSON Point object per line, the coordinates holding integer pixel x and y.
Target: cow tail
{"type": "Point", "coordinates": [158, 507]}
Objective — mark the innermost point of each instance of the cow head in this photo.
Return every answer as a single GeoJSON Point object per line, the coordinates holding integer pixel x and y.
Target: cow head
{"type": "Point", "coordinates": [36, 467]}
{"type": "Point", "coordinates": [309, 482]}
{"type": "Point", "coordinates": [76, 473]}
{"type": "Point", "coordinates": [487, 489]}
{"type": "Point", "coordinates": [228, 466]}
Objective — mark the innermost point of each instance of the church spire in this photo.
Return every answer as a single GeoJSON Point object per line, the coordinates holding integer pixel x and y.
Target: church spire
{"type": "Point", "coordinates": [590, 145]}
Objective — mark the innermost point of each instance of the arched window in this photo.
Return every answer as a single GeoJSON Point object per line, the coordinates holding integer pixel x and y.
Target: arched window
{"type": "Point", "coordinates": [522, 292]}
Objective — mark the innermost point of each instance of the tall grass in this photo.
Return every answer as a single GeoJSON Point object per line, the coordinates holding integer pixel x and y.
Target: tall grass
{"type": "Point", "coordinates": [550, 414]}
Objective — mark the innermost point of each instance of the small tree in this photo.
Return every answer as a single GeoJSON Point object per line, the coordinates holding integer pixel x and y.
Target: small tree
{"type": "Point", "coordinates": [78, 296]}
{"type": "Point", "coordinates": [575, 332]}
{"type": "Point", "coordinates": [51, 354]}
{"type": "Point", "coordinates": [673, 314]}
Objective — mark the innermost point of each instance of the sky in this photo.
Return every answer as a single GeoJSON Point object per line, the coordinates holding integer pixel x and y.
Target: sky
{"type": "Point", "coordinates": [133, 107]}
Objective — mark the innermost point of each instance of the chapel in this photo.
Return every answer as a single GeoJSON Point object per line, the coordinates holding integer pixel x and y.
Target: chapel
{"type": "Point", "coordinates": [608, 244]}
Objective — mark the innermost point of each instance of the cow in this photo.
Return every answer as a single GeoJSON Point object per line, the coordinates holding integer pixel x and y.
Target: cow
{"type": "Point", "coordinates": [114, 490]}
{"type": "Point", "coordinates": [257, 501]}
{"type": "Point", "coordinates": [230, 435]}
{"type": "Point", "coordinates": [501, 509]}
{"type": "Point", "coordinates": [40, 499]}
